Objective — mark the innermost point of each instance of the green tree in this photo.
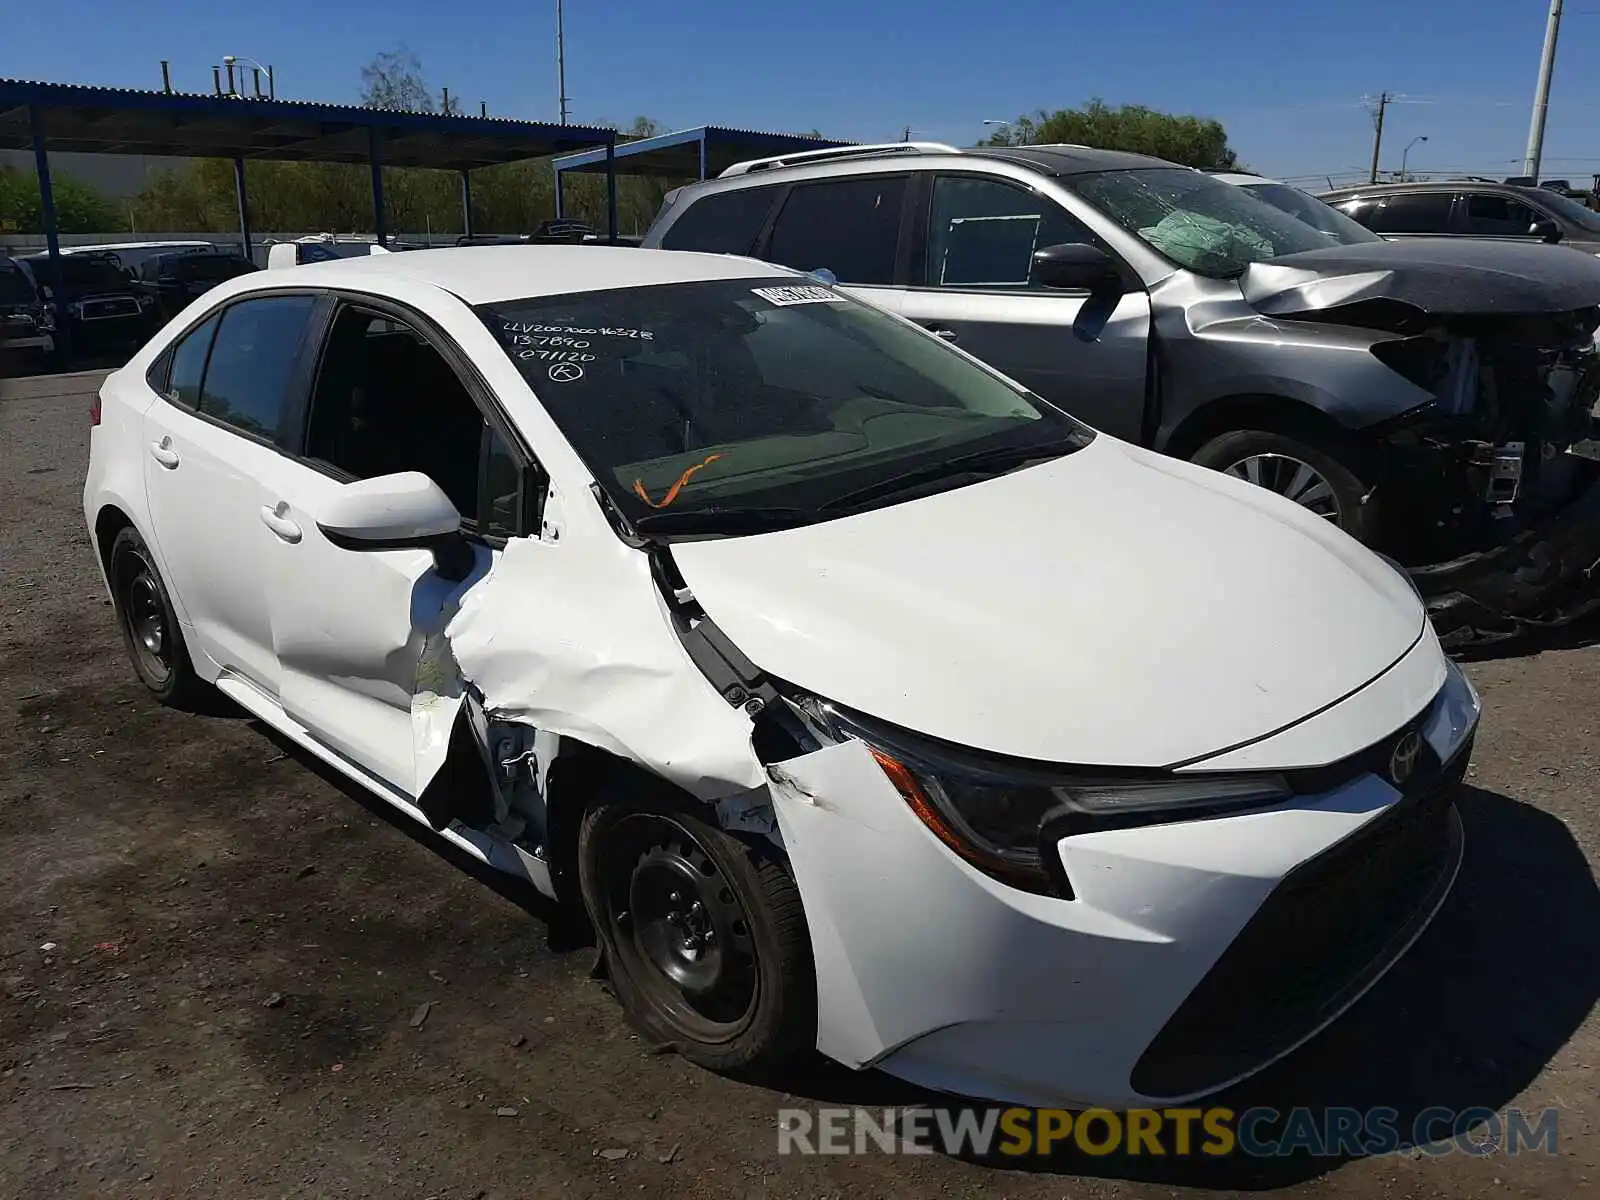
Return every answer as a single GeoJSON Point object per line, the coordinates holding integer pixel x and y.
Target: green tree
{"type": "Point", "coordinates": [1193, 141]}
{"type": "Point", "coordinates": [79, 208]}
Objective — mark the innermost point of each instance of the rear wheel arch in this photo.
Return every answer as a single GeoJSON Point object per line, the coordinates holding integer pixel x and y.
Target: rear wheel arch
{"type": "Point", "coordinates": [109, 522]}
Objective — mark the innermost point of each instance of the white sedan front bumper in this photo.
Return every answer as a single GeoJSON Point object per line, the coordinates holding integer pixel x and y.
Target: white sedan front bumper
{"type": "Point", "coordinates": [1168, 974]}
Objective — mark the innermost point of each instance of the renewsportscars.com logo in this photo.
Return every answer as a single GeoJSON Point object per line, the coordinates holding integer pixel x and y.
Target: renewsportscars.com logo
{"type": "Point", "coordinates": [1164, 1132]}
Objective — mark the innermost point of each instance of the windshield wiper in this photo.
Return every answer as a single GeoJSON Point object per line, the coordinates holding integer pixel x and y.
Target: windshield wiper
{"type": "Point", "coordinates": [724, 518]}
{"type": "Point", "coordinates": [997, 460]}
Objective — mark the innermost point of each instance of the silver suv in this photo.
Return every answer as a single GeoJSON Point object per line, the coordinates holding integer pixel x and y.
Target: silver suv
{"type": "Point", "coordinates": [1403, 390]}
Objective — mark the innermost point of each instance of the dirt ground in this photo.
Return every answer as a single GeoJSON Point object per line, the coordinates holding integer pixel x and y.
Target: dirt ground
{"type": "Point", "coordinates": [212, 956]}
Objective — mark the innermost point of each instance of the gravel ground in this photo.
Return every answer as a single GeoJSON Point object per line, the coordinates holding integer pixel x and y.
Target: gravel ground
{"type": "Point", "coordinates": [212, 957]}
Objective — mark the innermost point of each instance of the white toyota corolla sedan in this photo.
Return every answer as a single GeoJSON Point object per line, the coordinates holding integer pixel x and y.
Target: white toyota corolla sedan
{"type": "Point", "coordinates": [862, 699]}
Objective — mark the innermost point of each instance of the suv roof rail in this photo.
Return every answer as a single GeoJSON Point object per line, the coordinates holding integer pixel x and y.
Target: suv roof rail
{"type": "Point", "coordinates": [811, 156]}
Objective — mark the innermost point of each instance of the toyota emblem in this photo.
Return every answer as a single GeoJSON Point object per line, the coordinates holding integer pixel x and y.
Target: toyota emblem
{"type": "Point", "coordinates": [1403, 762]}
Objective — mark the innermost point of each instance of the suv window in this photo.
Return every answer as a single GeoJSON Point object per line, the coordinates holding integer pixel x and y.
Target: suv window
{"type": "Point", "coordinates": [1418, 212]}
{"type": "Point", "coordinates": [1489, 214]}
{"type": "Point", "coordinates": [982, 233]}
{"type": "Point", "coordinates": [848, 226]}
{"type": "Point", "coordinates": [254, 354]}
{"type": "Point", "coordinates": [386, 400]}
{"type": "Point", "coordinates": [722, 223]}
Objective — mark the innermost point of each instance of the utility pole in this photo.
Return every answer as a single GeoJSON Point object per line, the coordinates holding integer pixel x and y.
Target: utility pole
{"type": "Point", "coordinates": [906, 135]}
{"type": "Point", "coordinates": [1541, 93]}
{"type": "Point", "coordinates": [1377, 138]}
{"type": "Point", "coordinates": [561, 62]}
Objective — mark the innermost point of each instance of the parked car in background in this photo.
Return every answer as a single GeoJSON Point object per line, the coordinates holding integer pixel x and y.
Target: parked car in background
{"type": "Point", "coordinates": [99, 307]}
{"type": "Point", "coordinates": [1365, 379]}
{"type": "Point", "coordinates": [132, 255]}
{"type": "Point", "coordinates": [864, 701]}
{"type": "Point", "coordinates": [27, 326]}
{"type": "Point", "coordinates": [1292, 200]}
{"type": "Point", "coordinates": [1501, 211]}
{"type": "Point", "coordinates": [174, 279]}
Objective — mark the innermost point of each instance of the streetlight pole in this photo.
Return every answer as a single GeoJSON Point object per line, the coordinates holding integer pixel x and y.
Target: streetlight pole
{"type": "Point", "coordinates": [1541, 93]}
{"type": "Point", "coordinates": [1007, 124]}
{"type": "Point", "coordinates": [561, 61]}
{"type": "Point", "coordinates": [272, 91]}
{"type": "Point", "coordinates": [1406, 153]}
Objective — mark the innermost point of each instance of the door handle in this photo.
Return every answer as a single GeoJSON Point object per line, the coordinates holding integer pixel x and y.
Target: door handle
{"type": "Point", "coordinates": [164, 454]}
{"type": "Point", "coordinates": [941, 331]}
{"type": "Point", "coordinates": [281, 525]}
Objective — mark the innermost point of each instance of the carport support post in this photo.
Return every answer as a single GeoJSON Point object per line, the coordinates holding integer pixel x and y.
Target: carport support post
{"type": "Point", "coordinates": [466, 201]}
{"type": "Point", "coordinates": [704, 171]}
{"type": "Point", "coordinates": [379, 226]}
{"type": "Point", "coordinates": [52, 238]}
{"type": "Point", "coordinates": [561, 197]}
{"type": "Point", "coordinates": [244, 206]}
{"type": "Point", "coordinates": [611, 189]}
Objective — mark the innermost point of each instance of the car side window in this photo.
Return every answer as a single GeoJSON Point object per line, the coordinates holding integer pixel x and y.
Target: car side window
{"type": "Point", "coordinates": [252, 358]}
{"type": "Point", "coordinates": [385, 400]}
{"type": "Point", "coordinates": [850, 227]}
{"type": "Point", "coordinates": [1488, 214]}
{"type": "Point", "coordinates": [722, 223]}
{"type": "Point", "coordinates": [1414, 212]}
{"type": "Point", "coordinates": [982, 233]}
{"type": "Point", "coordinates": [188, 359]}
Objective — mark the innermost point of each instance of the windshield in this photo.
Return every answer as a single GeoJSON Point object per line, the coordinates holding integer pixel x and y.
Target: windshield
{"type": "Point", "coordinates": [1569, 209]}
{"type": "Point", "coordinates": [15, 287]}
{"type": "Point", "coordinates": [1339, 228]}
{"type": "Point", "coordinates": [83, 271]}
{"type": "Point", "coordinates": [1210, 227]}
{"type": "Point", "coordinates": [730, 405]}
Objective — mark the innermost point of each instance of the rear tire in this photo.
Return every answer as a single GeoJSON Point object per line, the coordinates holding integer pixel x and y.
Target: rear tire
{"type": "Point", "coordinates": [1317, 479]}
{"type": "Point", "coordinates": [150, 630]}
{"type": "Point", "coordinates": [703, 933]}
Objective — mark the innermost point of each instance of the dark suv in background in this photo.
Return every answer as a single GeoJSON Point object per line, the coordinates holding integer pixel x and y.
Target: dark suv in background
{"type": "Point", "coordinates": [174, 279]}
{"type": "Point", "coordinates": [1470, 209]}
{"type": "Point", "coordinates": [99, 305]}
{"type": "Point", "coordinates": [27, 326]}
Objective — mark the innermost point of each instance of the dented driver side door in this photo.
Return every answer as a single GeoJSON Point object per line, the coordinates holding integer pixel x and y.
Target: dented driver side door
{"type": "Point", "coordinates": [358, 634]}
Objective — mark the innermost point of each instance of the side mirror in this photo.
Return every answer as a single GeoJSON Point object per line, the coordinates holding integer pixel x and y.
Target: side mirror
{"type": "Point", "coordinates": [1546, 231]}
{"type": "Point", "coordinates": [399, 512]}
{"type": "Point", "coordinates": [1076, 266]}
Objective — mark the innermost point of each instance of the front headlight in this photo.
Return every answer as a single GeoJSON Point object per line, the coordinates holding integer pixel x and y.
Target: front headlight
{"type": "Point", "coordinates": [1004, 819]}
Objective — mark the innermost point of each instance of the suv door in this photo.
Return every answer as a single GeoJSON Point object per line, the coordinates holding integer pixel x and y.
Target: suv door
{"type": "Point", "coordinates": [850, 227]}
{"type": "Point", "coordinates": [972, 284]}
{"type": "Point", "coordinates": [350, 627]}
{"type": "Point", "coordinates": [225, 388]}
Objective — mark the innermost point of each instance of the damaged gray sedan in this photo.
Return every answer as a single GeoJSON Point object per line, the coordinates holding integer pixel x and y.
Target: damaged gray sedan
{"type": "Point", "coordinates": [1425, 396]}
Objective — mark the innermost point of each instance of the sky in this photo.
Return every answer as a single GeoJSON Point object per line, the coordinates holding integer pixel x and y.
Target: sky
{"type": "Point", "coordinates": [1287, 80]}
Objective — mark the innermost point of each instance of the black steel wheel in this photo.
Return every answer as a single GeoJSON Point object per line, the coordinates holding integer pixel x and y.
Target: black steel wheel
{"type": "Point", "coordinates": [703, 933]}
{"type": "Point", "coordinates": [149, 625]}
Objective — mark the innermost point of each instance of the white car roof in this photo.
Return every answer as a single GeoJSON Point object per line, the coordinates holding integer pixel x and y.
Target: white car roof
{"type": "Point", "coordinates": [489, 274]}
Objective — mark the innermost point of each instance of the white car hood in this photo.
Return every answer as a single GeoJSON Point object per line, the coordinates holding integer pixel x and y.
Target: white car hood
{"type": "Point", "coordinates": [1113, 607]}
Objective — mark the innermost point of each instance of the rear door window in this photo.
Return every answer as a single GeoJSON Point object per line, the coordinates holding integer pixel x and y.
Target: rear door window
{"type": "Point", "coordinates": [722, 223]}
{"type": "Point", "coordinates": [982, 233]}
{"type": "Point", "coordinates": [850, 227]}
{"type": "Point", "coordinates": [1419, 212]}
{"type": "Point", "coordinates": [255, 352]}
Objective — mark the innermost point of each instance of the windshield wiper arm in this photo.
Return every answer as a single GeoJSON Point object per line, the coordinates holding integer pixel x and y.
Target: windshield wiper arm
{"type": "Point", "coordinates": [724, 518]}
{"type": "Point", "coordinates": [994, 461]}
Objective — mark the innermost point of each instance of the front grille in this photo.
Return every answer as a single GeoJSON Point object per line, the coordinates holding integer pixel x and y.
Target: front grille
{"type": "Point", "coordinates": [1326, 931]}
{"type": "Point", "coordinates": [114, 306]}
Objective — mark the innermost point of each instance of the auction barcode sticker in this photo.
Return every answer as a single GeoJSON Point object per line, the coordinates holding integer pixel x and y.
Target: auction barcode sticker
{"type": "Point", "coordinates": [800, 294]}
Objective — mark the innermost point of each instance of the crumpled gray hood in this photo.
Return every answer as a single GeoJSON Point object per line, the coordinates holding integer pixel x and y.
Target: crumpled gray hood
{"type": "Point", "coordinates": [1441, 276]}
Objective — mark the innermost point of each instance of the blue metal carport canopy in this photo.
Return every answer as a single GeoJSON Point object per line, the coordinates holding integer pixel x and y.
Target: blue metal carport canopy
{"type": "Point", "coordinates": [699, 153]}
{"type": "Point", "coordinates": [97, 120]}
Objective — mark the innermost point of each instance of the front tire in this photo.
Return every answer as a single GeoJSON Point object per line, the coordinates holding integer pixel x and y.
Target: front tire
{"type": "Point", "coordinates": [149, 625]}
{"type": "Point", "coordinates": [703, 933]}
{"type": "Point", "coordinates": [1317, 479]}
